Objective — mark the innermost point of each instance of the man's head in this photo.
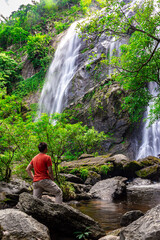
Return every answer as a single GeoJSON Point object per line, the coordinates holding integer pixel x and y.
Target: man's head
{"type": "Point", "coordinates": [42, 147]}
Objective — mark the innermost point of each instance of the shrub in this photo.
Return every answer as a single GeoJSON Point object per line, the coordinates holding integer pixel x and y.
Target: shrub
{"type": "Point", "coordinates": [38, 48]}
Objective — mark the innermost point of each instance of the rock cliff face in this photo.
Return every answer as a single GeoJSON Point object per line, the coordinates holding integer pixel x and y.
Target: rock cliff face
{"type": "Point", "coordinates": [91, 70]}
{"type": "Point", "coordinates": [94, 98]}
{"type": "Point", "coordinates": [101, 107]}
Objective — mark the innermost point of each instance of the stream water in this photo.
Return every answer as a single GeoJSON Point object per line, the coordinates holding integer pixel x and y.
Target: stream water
{"type": "Point", "coordinates": [108, 214]}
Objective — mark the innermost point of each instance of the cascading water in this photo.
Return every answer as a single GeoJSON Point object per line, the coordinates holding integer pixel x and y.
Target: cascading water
{"type": "Point", "coordinates": [150, 135]}
{"type": "Point", "coordinates": [54, 96]}
{"type": "Point", "coordinates": [114, 50]}
{"type": "Point", "coordinates": [61, 71]}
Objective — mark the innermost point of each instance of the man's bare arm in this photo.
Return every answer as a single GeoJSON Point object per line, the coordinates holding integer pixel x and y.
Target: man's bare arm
{"type": "Point", "coordinates": [50, 171]}
{"type": "Point", "coordinates": [28, 169]}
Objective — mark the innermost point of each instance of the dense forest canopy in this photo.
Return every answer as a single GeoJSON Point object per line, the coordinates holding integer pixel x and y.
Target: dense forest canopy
{"type": "Point", "coordinates": [138, 63]}
{"type": "Point", "coordinates": [30, 31]}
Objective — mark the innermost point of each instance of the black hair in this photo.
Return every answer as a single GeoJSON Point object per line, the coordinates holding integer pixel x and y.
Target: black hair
{"type": "Point", "coordinates": [42, 146]}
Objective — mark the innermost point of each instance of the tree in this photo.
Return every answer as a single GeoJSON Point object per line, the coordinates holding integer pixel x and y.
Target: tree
{"type": "Point", "coordinates": [19, 35]}
{"type": "Point", "coordinates": [65, 139]}
{"type": "Point", "coordinates": [10, 108]}
{"type": "Point", "coordinates": [138, 63]}
{"type": "Point", "coordinates": [20, 140]}
{"type": "Point", "coordinates": [38, 48]}
{"type": "Point", "coordinates": [9, 72]}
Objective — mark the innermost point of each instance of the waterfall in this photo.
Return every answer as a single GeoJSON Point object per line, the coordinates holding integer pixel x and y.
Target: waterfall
{"type": "Point", "coordinates": [150, 144]}
{"type": "Point", "coordinates": [61, 71]}
{"type": "Point", "coordinates": [114, 50]}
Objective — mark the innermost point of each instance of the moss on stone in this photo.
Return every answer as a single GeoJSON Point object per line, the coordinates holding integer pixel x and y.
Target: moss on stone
{"type": "Point", "coordinates": [147, 172]}
{"type": "Point", "coordinates": [149, 161]}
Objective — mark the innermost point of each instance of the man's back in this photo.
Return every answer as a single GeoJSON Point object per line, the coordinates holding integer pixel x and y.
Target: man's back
{"type": "Point", "coordinates": [40, 163]}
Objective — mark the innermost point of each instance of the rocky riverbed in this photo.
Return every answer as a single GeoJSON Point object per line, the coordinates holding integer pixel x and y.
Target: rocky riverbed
{"type": "Point", "coordinates": [24, 217]}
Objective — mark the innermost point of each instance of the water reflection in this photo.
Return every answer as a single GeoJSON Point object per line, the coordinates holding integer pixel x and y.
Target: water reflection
{"type": "Point", "coordinates": [108, 214]}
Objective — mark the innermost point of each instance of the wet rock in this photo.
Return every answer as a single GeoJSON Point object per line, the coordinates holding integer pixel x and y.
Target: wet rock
{"type": "Point", "coordinates": [9, 192]}
{"type": "Point", "coordinates": [18, 225]}
{"type": "Point", "coordinates": [144, 192]}
{"type": "Point", "coordinates": [92, 178]}
{"type": "Point", "coordinates": [81, 188]}
{"type": "Point", "coordinates": [110, 237]}
{"type": "Point", "coordinates": [83, 196]}
{"type": "Point", "coordinates": [151, 172]}
{"type": "Point", "coordinates": [109, 189]}
{"type": "Point", "coordinates": [130, 216]}
{"type": "Point", "coordinates": [119, 162]}
{"type": "Point", "coordinates": [72, 178]}
{"type": "Point", "coordinates": [148, 161]}
{"type": "Point", "coordinates": [59, 218]}
{"type": "Point", "coordinates": [138, 182]}
{"type": "Point", "coordinates": [145, 228]}
{"type": "Point", "coordinates": [115, 232]}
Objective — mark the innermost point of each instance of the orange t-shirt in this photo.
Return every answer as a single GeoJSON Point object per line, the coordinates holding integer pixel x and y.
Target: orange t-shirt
{"type": "Point", "coordinates": [40, 163]}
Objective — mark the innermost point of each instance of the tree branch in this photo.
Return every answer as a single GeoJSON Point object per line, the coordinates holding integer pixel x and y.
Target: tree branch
{"type": "Point", "coordinates": [148, 34]}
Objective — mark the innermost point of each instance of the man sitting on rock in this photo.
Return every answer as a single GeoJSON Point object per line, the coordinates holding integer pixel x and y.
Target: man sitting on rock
{"type": "Point", "coordinates": [43, 174]}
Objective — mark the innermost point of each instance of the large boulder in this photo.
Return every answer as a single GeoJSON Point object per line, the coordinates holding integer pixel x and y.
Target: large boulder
{"type": "Point", "coordinates": [138, 182]}
{"type": "Point", "coordinates": [130, 216]}
{"type": "Point", "coordinates": [9, 192]}
{"type": "Point", "coordinates": [59, 218]}
{"type": "Point", "coordinates": [150, 172]}
{"type": "Point", "coordinates": [148, 161]}
{"type": "Point", "coordinates": [118, 165]}
{"type": "Point", "coordinates": [72, 178]}
{"type": "Point", "coordinates": [92, 178]}
{"type": "Point", "coordinates": [87, 162]}
{"type": "Point", "coordinates": [146, 227]}
{"type": "Point", "coordinates": [109, 189]}
{"type": "Point", "coordinates": [17, 225]}
{"type": "Point", "coordinates": [15, 186]}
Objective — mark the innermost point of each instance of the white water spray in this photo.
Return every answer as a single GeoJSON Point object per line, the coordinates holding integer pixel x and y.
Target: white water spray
{"type": "Point", "coordinates": [150, 135]}
{"type": "Point", "coordinates": [61, 71]}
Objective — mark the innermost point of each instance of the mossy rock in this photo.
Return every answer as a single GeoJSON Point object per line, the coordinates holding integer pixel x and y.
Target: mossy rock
{"type": "Point", "coordinates": [92, 178]}
{"type": "Point", "coordinates": [130, 168]}
{"type": "Point", "coordinates": [151, 172]}
{"type": "Point", "coordinates": [149, 161]}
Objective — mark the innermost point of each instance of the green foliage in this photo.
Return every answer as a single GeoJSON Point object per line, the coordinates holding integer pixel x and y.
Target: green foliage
{"type": "Point", "coordinates": [29, 85]}
{"type": "Point", "coordinates": [9, 72]}
{"type": "Point", "coordinates": [104, 169]}
{"type": "Point", "coordinates": [38, 48]}
{"type": "Point", "coordinates": [138, 63]}
{"type": "Point", "coordinates": [85, 4]}
{"type": "Point", "coordinates": [60, 26]}
{"type": "Point", "coordinates": [20, 137]}
{"type": "Point", "coordinates": [84, 173]}
{"type": "Point", "coordinates": [10, 107]}
{"type": "Point", "coordinates": [83, 235]}
{"type": "Point", "coordinates": [74, 171]}
{"type": "Point", "coordinates": [68, 190]}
